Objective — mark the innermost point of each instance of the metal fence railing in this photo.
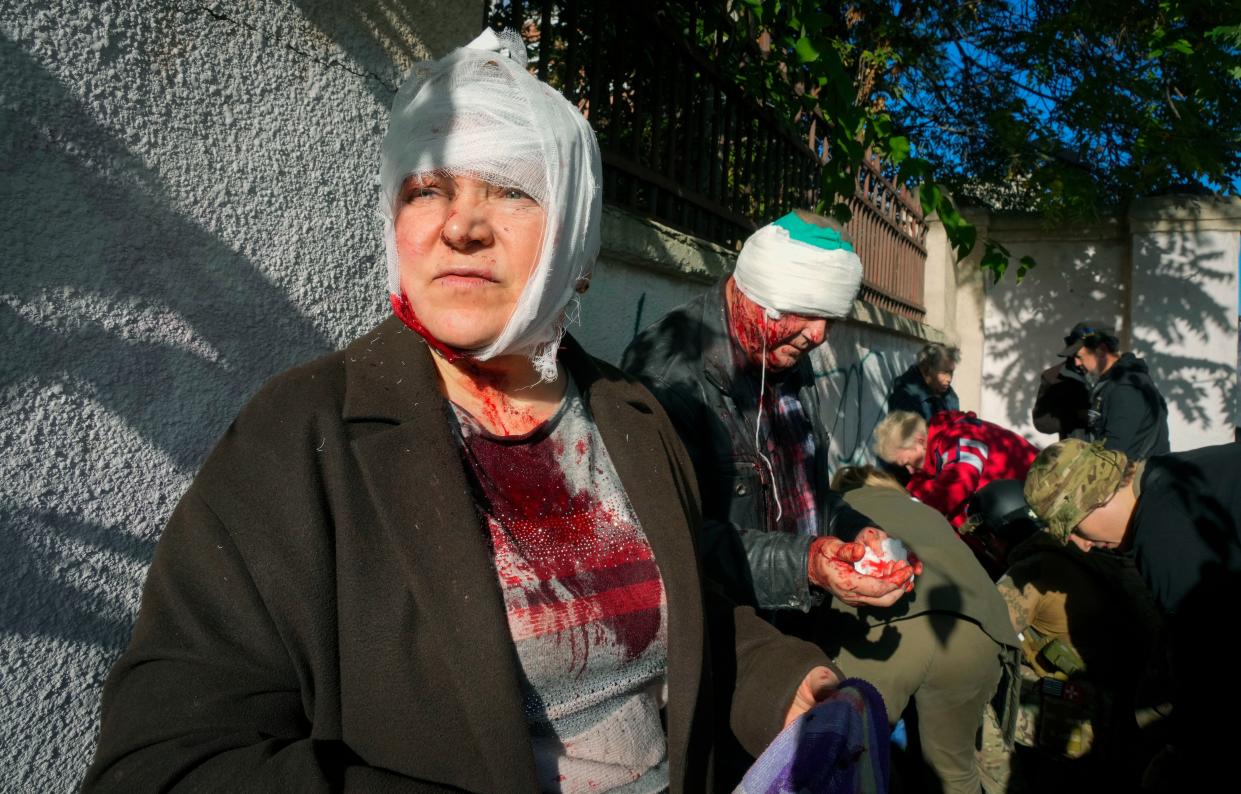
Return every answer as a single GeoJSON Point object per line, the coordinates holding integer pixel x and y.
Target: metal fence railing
{"type": "Point", "coordinates": [682, 143]}
{"type": "Point", "coordinates": [889, 234]}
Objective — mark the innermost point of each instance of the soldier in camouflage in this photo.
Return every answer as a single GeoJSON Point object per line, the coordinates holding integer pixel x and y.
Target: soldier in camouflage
{"type": "Point", "coordinates": [1180, 517]}
{"type": "Point", "coordinates": [1071, 482]}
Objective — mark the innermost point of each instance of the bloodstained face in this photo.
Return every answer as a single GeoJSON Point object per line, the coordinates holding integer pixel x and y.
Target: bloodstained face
{"type": "Point", "coordinates": [466, 249]}
{"type": "Point", "coordinates": [780, 343]}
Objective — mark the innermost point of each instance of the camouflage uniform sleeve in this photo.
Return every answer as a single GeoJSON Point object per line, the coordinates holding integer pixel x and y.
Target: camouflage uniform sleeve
{"type": "Point", "coordinates": [1021, 600]}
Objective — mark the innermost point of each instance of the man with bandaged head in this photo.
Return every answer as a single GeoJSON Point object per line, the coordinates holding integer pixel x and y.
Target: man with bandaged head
{"type": "Point", "coordinates": [448, 556]}
{"type": "Point", "coordinates": [731, 369]}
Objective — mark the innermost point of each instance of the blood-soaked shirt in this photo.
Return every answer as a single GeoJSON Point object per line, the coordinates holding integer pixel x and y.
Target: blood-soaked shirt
{"type": "Point", "coordinates": [585, 601]}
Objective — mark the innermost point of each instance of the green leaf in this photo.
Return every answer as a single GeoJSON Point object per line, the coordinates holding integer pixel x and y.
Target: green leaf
{"type": "Point", "coordinates": [1226, 33]}
{"type": "Point", "coordinates": [912, 169]}
{"type": "Point", "coordinates": [995, 262]}
{"type": "Point", "coordinates": [898, 149]}
{"type": "Point", "coordinates": [930, 195]}
{"type": "Point", "coordinates": [963, 238]}
{"type": "Point", "coordinates": [806, 51]}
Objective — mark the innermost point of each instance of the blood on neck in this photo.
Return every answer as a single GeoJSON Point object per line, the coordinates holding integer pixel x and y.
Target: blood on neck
{"type": "Point", "coordinates": [483, 389]}
{"type": "Point", "coordinates": [405, 312]}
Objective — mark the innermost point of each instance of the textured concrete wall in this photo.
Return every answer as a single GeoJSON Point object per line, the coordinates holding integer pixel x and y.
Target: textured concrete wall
{"type": "Point", "coordinates": [186, 207]}
{"type": "Point", "coordinates": [1164, 277]}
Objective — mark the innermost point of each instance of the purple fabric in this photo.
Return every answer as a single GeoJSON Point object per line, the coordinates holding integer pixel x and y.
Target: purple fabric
{"type": "Point", "coordinates": [840, 745]}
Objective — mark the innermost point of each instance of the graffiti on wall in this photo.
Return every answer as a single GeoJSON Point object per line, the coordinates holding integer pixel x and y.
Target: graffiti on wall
{"type": "Point", "coordinates": [854, 372]}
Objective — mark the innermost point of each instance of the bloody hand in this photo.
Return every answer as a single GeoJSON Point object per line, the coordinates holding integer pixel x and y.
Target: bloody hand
{"type": "Point", "coordinates": [831, 568]}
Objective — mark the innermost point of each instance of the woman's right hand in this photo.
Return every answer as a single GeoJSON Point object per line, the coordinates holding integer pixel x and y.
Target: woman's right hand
{"type": "Point", "coordinates": [815, 687]}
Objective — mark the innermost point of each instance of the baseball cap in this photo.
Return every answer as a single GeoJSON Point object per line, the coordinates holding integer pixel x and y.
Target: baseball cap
{"type": "Point", "coordinates": [1071, 478]}
{"type": "Point", "coordinates": [1081, 332]}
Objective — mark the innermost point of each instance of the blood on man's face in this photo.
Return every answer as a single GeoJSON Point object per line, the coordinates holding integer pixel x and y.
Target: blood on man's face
{"type": "Point", "coordinates": [781, 343]}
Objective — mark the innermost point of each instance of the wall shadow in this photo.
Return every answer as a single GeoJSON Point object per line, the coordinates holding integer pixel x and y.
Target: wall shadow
{"type": "Point", "coordinates": [93, 233]}
{"type": "Point", "coordinates": [1171, 304]}
{"type": "Point", "coordinates": [1025, 325]}
{"type": "Point", "coordinates": [117, 299]}
{"type": "Point", "coordinates": [378, 36]}
{"type": "Point", "coordinates": [35, 542]}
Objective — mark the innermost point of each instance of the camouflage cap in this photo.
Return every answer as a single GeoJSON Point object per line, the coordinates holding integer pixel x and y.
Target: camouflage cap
{"type": "Point", "coordinates": [1069, 479]}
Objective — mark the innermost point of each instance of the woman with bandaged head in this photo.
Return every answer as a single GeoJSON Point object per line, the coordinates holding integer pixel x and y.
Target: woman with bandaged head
{"type": "Point", "coordinates": [458, 554]}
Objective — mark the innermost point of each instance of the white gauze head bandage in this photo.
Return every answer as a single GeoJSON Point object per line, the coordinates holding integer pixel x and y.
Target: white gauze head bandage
{"type": "Point", "coordinates": [478, 113]}
{"type": "Point", "coordinates": [791, 266]}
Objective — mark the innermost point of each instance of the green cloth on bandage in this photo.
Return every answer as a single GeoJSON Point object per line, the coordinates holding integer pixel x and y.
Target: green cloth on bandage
{"type": "Point", "coordinates": [819, 236]}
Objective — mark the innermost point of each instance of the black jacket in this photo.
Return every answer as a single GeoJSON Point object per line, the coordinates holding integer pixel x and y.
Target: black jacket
{"type": "Point", "coordinates": [687, 360]}
{"type": "Point", "coordinates": [910, 393]}
{"type": "Point", "coordinates": [322, 613]}
{"type": "Point", "coordinates": [1063, 402]}
{"type": "Point", "coordinates": [1187, 523]}
{"type": "Point", "coordinates": [1127, 411]}
{"type": "Point", "coordinates": [1186, 532]}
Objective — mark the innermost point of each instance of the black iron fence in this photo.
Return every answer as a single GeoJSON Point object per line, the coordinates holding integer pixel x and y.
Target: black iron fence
{"type": "Point", "coordinates": [682, 143]}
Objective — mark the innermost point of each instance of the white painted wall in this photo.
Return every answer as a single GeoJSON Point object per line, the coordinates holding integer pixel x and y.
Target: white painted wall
{"type": "Point", "coordinates": [1165, 278]}
{"type": "Point", "coordinates": [645, 270]}
{"type": "Point", "coordinates": [1081, 275]}
{"type": "Point", "coordinates": [623, 300]}
{"type": "Point", "coordinates": [1184, 312]}
{"type": "Point", "coordinates": [186, 207]}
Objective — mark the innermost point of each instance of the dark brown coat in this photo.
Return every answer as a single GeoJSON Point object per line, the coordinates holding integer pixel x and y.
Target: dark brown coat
{"type": "Point", "coordinates": [322, 612]}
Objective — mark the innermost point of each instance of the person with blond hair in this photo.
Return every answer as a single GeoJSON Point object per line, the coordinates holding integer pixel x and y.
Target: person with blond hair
{"type": "Point", "coordinates": [952, 457]}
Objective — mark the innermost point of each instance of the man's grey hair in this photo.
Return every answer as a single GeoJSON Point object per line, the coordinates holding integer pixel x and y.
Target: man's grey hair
{"type": "Point", "coordinates": [936, 357]}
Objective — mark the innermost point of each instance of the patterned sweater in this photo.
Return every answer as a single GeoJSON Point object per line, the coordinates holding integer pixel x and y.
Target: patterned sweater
{"type": "Point", "coordinates": [585, 601]}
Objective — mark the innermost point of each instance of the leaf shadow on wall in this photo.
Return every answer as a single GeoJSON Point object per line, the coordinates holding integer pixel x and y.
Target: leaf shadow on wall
{"type": "Point", "coordinates": [1175, 308]}
{"type": "Point", "coordinates": [1026, 324]}
{"type": "Point", "coordinates": [378, 37]}
{"type": "Point", "coordinates": [125, 304]}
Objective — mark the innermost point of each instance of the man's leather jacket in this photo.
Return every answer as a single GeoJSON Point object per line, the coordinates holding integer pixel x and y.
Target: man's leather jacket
{"type": "Point", "coordinates": [687, 360]}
